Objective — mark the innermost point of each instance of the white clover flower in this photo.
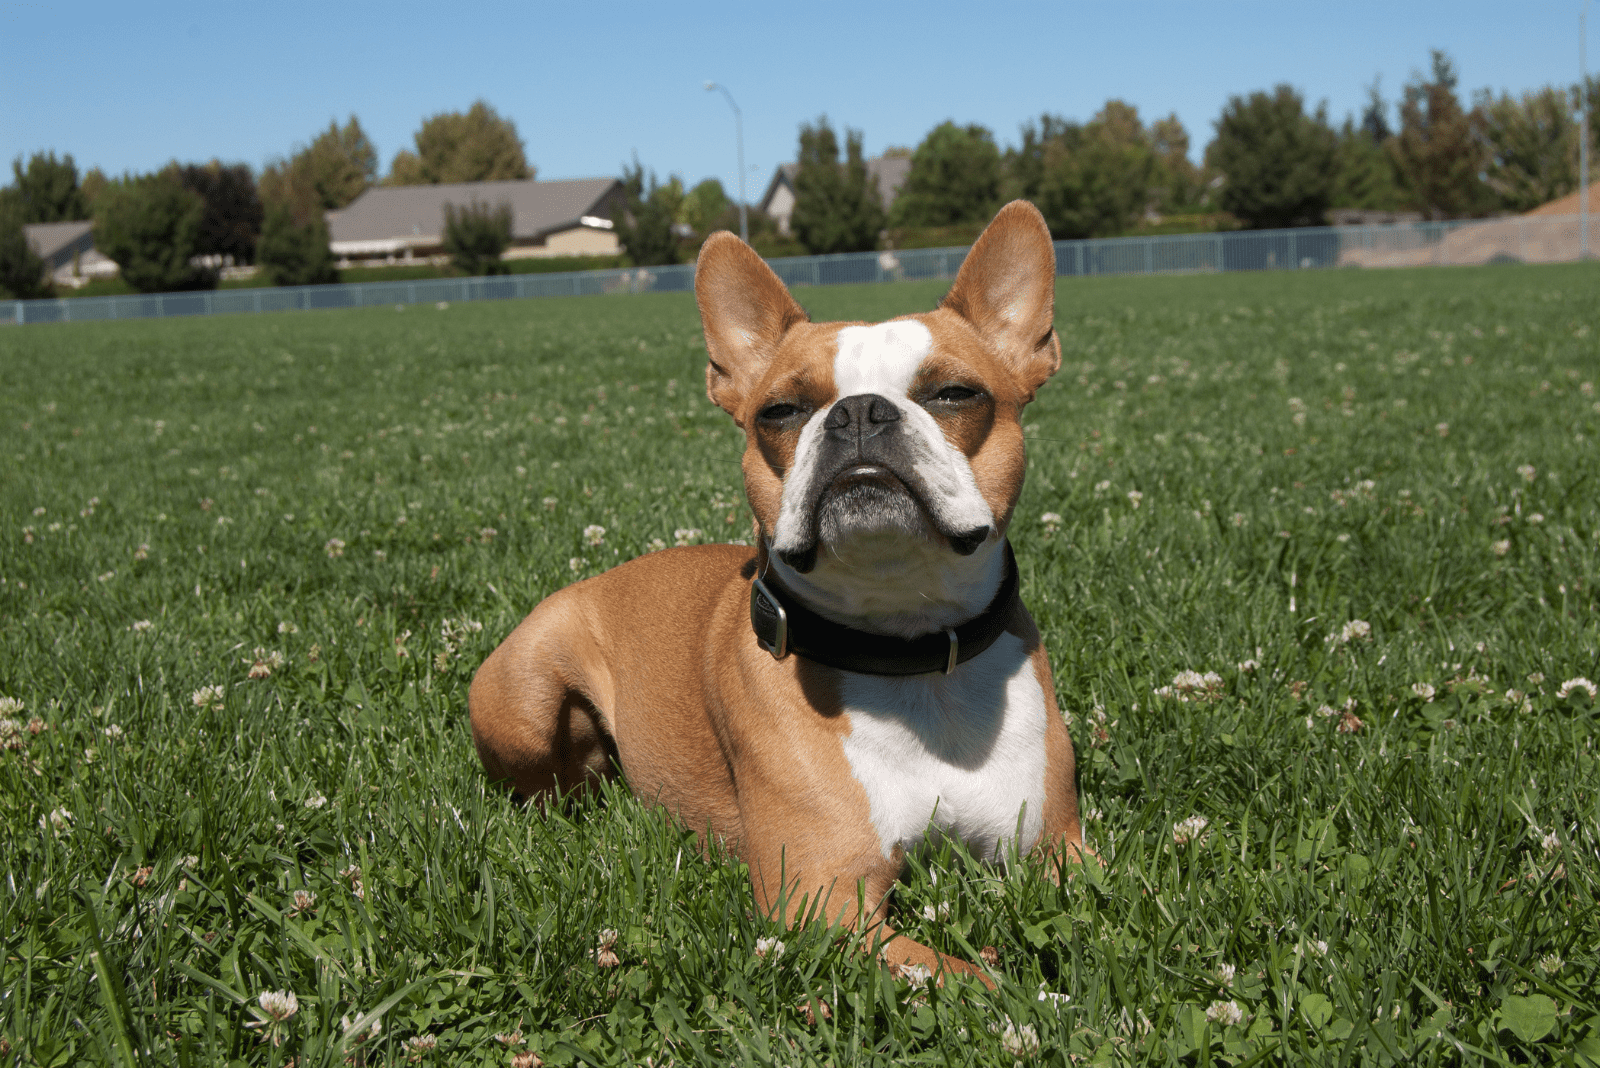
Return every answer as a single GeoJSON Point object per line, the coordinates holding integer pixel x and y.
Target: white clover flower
{"type": "Point", "coordinates": [1572, 686]}
{"type": "Point", "coordinates": [1249, 667]}
{"type": "Point", "coordinates": [279, 1005]}
{"type": "Point", "coordinates": [10, 706]}
{"type": "Point", "coordinates": [1442, 429]}
{"type": "Point", "coordinates": [420, 1044]}
{"type": "Point", "coordinates": [207, 697]}
{"type": "Point", "coordinates": [113, 733]}
{"type": "Point", "coordinates": [1528, 472]}
{"type": "Point", "coordinates": [685, 535]}
{"type": "Point", "coordinates": [1055, 999]}
{"type": "Point", "coordinates": [1225, 974]}
{"type": "Point", "coordinates": [304, 901]}
{"type": "Point", "coordinates": [345, 1024]}
{"type": "Point", "coordinates": [1423, 690]}
{"type": "Point", "coordinates": [1550, 963]}
{"type": "Point", "coordinates": [1550, 842]}
{"type": "Point", "coordinates": [605, 954]}
{"type": "Point", "coordinates": [1319, 947]}
{"type": "Point", "coordinates": [1189, 830]}
{"type": "Point", "coordinates": [1357, 630]}
{"type": "Point", "coordinates": [316, 802]}
{"type": "Point", "coordinates": [769, 949]}
{"type": "Point", "coordinates": [594, 534]}
{"type": "Point", "coordinates": [575, 564]}
{"type": "Point", "coordinates": [656, 545]}
{"type": "Point", "coordinates": [1193, 686]}
{"type": "Point", "coordinates": [334, 547]}
{"type": "Point", "coordinates": [1226, 1013]}
{"type": "Point", "coordinates": [549, 504]}
{"type": "Point", "coordinates": [932, 913]}
{"type": "Point", "coordinates": [1101, 487]}
{"type": "Point", "coordinates": [1239, 519]}
{"type": "Point", "coordinates": [1134, 497]}
{"type": "Point", "coordinates": [1501, 547]}
{"type": "Point", "coordinates": [1017, 1040]}
{"type": "Point", "coordinates": [58, 822]}
{"type": "Point", "coordinates": [917, 975]}
{"type": "Point", "coordinates": [141, 625]}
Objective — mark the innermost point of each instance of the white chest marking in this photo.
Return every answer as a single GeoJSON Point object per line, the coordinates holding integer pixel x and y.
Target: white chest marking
{"type": "Point", "coordinates": [964, 751]}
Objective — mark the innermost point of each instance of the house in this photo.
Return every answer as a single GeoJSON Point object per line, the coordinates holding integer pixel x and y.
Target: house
{"type": "Point", "coordinates": [560, 218]}
{"type": "Point", "coordinates": [68, 251]}
{"type": "Point", "coordinates": [887, 174]}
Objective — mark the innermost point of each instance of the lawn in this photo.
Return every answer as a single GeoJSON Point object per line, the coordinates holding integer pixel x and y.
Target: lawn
{"type": "Point", "coordinates": [1314, 555]}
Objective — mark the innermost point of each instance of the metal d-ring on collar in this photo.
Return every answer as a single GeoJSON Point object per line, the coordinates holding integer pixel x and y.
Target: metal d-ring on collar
{"type": "Point", "coordinates": [783, 625]}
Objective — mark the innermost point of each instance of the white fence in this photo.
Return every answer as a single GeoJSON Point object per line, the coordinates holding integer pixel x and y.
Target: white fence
{"type": "Point", "coordinates": [1521, 239]}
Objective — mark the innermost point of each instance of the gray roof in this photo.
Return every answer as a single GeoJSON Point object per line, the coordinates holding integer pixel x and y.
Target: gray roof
{"type": "Point", "coordinates": [56, 242]}
{"type": "Point", "coordinates": [888, 173]}
{"type": "Point", "coordinates": [538, 208]}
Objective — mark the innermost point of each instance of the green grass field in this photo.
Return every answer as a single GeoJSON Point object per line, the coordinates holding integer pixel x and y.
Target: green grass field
{"type": "Point", "coordinates": [249, 565]}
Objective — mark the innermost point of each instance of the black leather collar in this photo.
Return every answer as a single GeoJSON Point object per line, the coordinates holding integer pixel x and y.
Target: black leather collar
{"type": "Point", "coordinates": [783, 625]}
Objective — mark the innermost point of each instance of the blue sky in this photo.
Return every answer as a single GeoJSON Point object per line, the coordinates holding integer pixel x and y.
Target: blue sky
{"type": "Point", "coordinates": [131, 86]}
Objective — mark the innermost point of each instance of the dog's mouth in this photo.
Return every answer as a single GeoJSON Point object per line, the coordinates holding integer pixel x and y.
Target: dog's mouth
{"type": "Point", "coordinates": [868, 499]}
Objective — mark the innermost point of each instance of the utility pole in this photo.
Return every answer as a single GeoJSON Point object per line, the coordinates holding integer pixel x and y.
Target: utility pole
{"type": "Point", "coordinates": [738, 131]}
{"type": "Point", "coordinates": [1583, 133]}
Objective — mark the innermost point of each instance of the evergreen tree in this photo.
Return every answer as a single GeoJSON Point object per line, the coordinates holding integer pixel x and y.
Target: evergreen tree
{"type": "Point", "coordinates": [478, 146]}
{"type": "Point", "coordinates": [22, 272]}
{"type": "Point", "coordinates": [645, 228]}
{"type": "Point", "coordinates": [1437, 154]}
{"type": "Point", "coordinates": [836, 208]}
{"type": "Point", "coordinates": [1366, 177]}
{"type": "Point", "coordinates": [1278, 162]}
{"type": "Point", "coordinates": [476, 235]}
{"type": "Point", "coordinates": [150, 226]}
{"type": "Point", "coordinates": [47, 189]}
{"type": "Point", "coordinates": [1531, 146]}
{"type": "Point", "coordinates": [954, 178]}
{"type": "Point", "coordinates": [294, 253]}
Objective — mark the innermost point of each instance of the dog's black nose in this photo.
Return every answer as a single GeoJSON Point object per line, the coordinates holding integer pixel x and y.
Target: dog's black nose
{"type": "Point", "coordinates": [868, 412]}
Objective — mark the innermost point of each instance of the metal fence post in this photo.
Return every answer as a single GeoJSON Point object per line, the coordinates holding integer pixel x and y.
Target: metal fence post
{"type": "Point", "coordinates": [1294, 256]}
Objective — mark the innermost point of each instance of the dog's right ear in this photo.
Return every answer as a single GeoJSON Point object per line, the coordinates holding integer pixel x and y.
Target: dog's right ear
{"type": "Point", "coordinates": [745, 310]}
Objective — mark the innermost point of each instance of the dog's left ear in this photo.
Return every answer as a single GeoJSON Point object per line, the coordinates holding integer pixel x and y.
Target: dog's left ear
{"type": "Point", "coordinates": [745, 310]}
{"type": "Point", "coordinates": [1006, 288]}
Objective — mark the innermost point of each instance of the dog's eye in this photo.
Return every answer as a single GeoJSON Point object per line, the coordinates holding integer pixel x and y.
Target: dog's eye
{"type": "Point", "coordinates": [778, 413]}
{"type": "Point", "coordinates": [954, 394]}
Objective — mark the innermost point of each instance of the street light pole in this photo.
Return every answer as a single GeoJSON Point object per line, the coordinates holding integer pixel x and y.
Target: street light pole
{"type": "Point", "coordinates": [738, 130]}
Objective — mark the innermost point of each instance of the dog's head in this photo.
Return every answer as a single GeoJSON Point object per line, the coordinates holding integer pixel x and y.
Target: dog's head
{"type": "Point", "coordinates": [899, 441]}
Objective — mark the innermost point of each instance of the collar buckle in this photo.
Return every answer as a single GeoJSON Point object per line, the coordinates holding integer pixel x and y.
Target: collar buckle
{"type": "Point", "coordinates": [779, 647]}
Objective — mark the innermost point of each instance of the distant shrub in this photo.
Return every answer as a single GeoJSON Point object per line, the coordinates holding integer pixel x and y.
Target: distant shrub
{"type": "Point", "coordinates": [294, 254]}
{"type": "Point", "coordinates": [151, 227]}
{"type": "Point", "coordinates": [475, 236]}
{"type": "Point", "coordinates": [22, 272]}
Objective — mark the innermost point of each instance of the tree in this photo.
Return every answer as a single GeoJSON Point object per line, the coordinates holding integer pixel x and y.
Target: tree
{"type": "Point", "coordinates": [150, 226]}
{"type": "Point", "coordinates": [47, 189]}
{"type": "Point", "coordinates": [233, 213]}
{"type": "Point", "coordinates": [22, 272]}
{"type": "Point", "coordinates": [1025, 164]}
{"type": "Point", "coordinates": [1092, 180]}
{"type": "Point", "coordinates": [1175, 182]}
{"type": "Point", "coordinates": [836, 208]}
{"type": "Point", "coordinates": [1278, 162]}
{"type": "Point", "coordinates": [1365, 177]}
{"type": "Point", "coordinates": [645, 228]}
{"type": "Point", "coordinates": [294, 253]}
{"type": "Point", "coordinates": [1437, 155]}
{"type": "Point", "coordinates": [478, 146]}
{"type": "Point", "coordinates": [476, 235]}
{"type": "Point", "coordinates": [704, 205]}
{"type": "Point", "coordinates": [336, 167]}
{"type": "Point", "coordinates": [1530, 146]}
{"type": "Point", "coordinates": [954, 178]}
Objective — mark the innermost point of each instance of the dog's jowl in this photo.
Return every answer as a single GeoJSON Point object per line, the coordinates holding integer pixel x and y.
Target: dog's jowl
{"type": "Point", "coordinates": [866, 675]}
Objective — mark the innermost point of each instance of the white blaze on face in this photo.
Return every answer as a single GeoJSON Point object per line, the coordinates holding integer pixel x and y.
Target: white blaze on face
{"type": "Point", "coordinates": [884, 359]}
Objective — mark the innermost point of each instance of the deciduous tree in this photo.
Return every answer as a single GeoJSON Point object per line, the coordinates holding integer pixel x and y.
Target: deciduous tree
{"type": "Point", "coordinates": [704, 205]}
{"type": "Point", "coordinates": [476, 235]}
{"type": "Point", "coordinates": [1530, 145]}
{"type": "Point", "coordinates": [836, 208]}
{"type": "Point", "coordinates": [477, 146]}
{"type": "Point", "coordinates": [954, 178]}
{"type": "Point", "coordinates": [150, 225]}
{"type": "Point", "coordinates": [233, 213]}
{"type": "Point", "coordinates": [1437, 154]}
{"type": "Point", "coordinates": [1092, 180]}
{"type": "Point", "coordinates": [1278, 162]}
{"type": "Point", "coordinates": [337, 166]}
{"type": "Point", "coordinates": [1365, 176]}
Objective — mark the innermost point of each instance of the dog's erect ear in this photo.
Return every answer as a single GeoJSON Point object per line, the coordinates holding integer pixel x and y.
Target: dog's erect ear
{"type": "Point", "coordinates": [1007, 290]}
{"type": "Point", "coordinates": [745, 310]}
